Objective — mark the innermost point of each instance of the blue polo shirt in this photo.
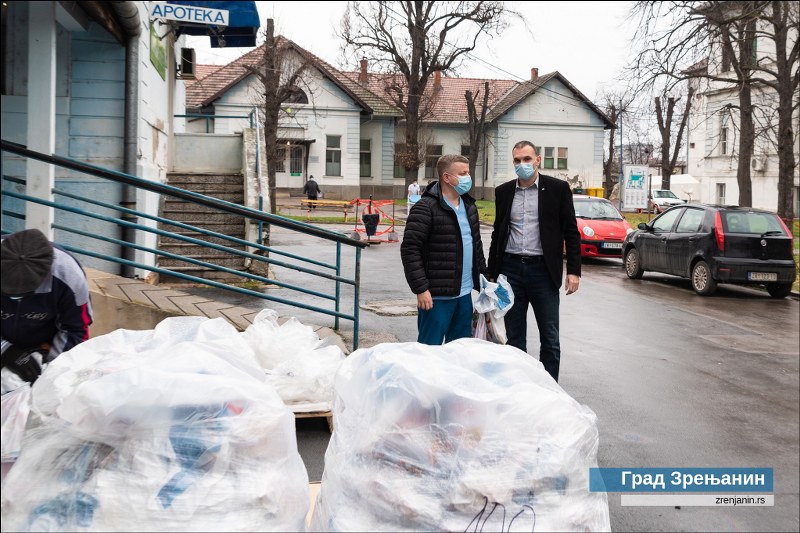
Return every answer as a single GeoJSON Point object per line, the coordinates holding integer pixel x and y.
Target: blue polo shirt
{"type": "Point", "coordinates": [466, 242]}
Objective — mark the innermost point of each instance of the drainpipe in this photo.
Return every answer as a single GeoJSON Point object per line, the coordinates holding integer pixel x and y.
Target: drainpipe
{"type": "Point", "coordinates": [128, 16]}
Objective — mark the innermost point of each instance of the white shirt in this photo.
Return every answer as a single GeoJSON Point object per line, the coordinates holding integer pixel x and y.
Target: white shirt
{"type": "Point", "coordinates": [413, 189]}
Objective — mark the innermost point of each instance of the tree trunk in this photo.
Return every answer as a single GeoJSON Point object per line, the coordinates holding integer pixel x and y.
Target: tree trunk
{"type": "Point", "coordinates": [786, 93]}
{"type": "Point", "coordinates": [746, 143]}
{"type": "Point", "coordinates": [607, 169]}
{"type": "Point", "coordinates": [412, 161]}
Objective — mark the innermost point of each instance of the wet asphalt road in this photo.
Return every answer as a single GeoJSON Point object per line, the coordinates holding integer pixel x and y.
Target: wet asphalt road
{"type": "Point", "coordinates": [676, 380]}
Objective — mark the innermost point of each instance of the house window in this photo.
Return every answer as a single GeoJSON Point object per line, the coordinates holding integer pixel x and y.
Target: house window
{"type": "Point", "coordinates": [333, 155]}
{"type": "Point", "coordinates": [365, 159]}
{"type": "Point", "coordinates": [549, 160]}
{"type": "Point", "coordinates": [754, 56]}
{"type": "Point", "coordinates": [562, 158]}
{"type": "Point", "coordinates": [691, 145]}
{"type": "Point", "coordinates": [280, 160]}
{"type": "Point", "coordinates": [721, 193]}
{"type": "Point", "coordinates": [296, 96]}
{"type": "Point", "coordinates": [432, 155]}
{"type": "Point", "coordinates": [723, 140]}
{"type": "Point", "coordinates": [465, 150]}
{"type": "Point", "coordinates": [399, 168]}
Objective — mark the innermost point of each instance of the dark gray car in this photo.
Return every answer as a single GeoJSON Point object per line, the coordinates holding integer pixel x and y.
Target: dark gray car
{"type": "Point", "coordinates": [712, 244]}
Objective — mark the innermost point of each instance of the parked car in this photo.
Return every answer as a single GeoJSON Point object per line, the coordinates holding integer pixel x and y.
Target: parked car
{"type": "Point", "coordinates": [714, 244]}
{"type": "Point", "coordinates": [663, 199]}
{"type": "Point", "coordinates": [602, 226]}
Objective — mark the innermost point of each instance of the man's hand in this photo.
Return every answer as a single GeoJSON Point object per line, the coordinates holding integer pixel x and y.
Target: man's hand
{"type": "Point", "coordinates": [425, 301]}
{"type": "Point", "coordinates": [572, 283]}
{"type": "Point", "coordinates": [23, 362]}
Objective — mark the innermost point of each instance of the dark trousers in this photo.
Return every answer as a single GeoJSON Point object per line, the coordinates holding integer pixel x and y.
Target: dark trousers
{"type": "Point", "coordinates": [532, 285]}
{"type": "Point", "coordinates": [446, 321]}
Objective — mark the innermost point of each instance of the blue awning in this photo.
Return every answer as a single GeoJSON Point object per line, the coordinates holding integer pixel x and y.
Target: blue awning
{"type": "Point", "coordinates": [243, 24]}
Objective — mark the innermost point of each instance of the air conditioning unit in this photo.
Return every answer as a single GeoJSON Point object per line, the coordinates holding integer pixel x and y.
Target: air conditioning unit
{"type": "Point", "coordinates": [759, 164]}
{"type": "Point", "coordinates": [187, 68]}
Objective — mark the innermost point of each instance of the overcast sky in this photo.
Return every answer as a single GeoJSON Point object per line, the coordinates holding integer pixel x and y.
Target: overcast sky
{"type": "Point", "coordinates": [586, 41]}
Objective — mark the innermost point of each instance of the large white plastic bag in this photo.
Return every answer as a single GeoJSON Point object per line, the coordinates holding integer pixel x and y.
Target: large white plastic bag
{"type": "Point", "coordinates": [442, 437]}
{"type": "Point", "coordinates": [299, 365]}
{"type": "Point", "coordinates": [174, 429]}
{"type": "Point", "coordinates": [15, 408]}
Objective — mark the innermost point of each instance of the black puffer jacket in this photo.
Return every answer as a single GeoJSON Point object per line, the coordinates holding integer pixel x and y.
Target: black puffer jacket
{"type": "Point", "coordinates": [432, 251]}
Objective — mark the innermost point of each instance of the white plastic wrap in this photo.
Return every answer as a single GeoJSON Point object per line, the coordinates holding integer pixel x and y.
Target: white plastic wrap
{"type": "Point", "coordinates": [299, 365]}
{"type": "Point", "coordinates": [172, 429]}
{"type": "Point", "coordinates": [469, 436]}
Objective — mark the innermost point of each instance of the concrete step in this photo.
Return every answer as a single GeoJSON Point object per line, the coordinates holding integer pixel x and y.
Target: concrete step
{"type": "Point", "coordinates": [168, 243]}
{"type": "Point", "coordinates": [236, 197]}
{"type": "Point", "coordinates": [178, 180]}
{"type": "Point", "coordinates": [206, 220]}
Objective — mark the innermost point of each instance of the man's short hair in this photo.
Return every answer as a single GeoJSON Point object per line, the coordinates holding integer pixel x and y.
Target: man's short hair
{"type": "Point", "coordinates": [523, 144]}
{"type": "Point", "coordinates": [446, 160]}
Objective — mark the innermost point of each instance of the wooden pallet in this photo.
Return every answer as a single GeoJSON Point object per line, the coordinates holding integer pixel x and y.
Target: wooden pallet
{"type": "Point", "coordinates": [318, 414]}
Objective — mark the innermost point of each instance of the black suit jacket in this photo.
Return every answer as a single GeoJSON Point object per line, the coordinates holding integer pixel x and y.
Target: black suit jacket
{"type": "Point", "coordinates": [557, 226]}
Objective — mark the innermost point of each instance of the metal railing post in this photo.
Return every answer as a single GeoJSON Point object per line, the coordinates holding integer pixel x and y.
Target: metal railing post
{"type": "Point", "coordinates": [357, 290]}
{"type": "Point", "coordinates": [338, 273]}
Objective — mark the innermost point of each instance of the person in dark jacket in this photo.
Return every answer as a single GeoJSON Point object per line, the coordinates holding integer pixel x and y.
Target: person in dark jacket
{"type": "Point", "coordinates": [534, 224]}
{"type": "Point", "coordinates": [442, 253]}
{"type": "Point", "coordinates": [45, 302]}
{"type": "Point", "coordinates": [311, 189]}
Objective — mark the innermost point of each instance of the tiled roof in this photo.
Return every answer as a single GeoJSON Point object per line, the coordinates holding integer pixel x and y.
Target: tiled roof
{"type": "Point", "coordinates": [201, 71]}
{"type": "Point", "coordinates": [207, 89]}
{"type": "Point", "coordinates": [449, 102]}
{"type": "Point", "coordinates": [523, 90]}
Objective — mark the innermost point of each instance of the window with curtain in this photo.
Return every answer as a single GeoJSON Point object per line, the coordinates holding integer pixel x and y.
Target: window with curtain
{"type": "Point", "coordinates": [333, 155]}
{"type": "Point", "coordinates": [365, 159]}
{"type": "Point", "coordinates": [562, 158]}
{"type": "Point", "coordinates": [432, 155]}
{"type": "Point", "coordinates": [549, 159]}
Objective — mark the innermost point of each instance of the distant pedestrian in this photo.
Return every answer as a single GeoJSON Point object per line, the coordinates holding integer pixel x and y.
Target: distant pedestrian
{"type": "Point", "coordinates": [442, 253]}
{"type": "Point", "coordinates": [311, 189]}
{"type": "Point", "coordinates": [413, 190]}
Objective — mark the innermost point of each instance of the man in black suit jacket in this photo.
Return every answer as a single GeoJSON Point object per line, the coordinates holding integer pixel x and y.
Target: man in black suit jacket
{"type": "Point", "coordinates": [534, 224]}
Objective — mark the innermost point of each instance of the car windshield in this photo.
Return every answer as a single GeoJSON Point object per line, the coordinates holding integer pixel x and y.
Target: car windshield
{"type": "Point", "coordinates": [596, 210]}
{"type": "Point", "coordinates": [664, 194]}
{"type": "Point", "coordinates": [749, 222]}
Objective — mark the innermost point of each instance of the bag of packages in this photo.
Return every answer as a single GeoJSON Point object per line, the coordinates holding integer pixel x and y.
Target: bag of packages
{"type": "Point", "coordinates": [490, 306]}
{"type": "Point", "coordinates": [468, 436]}
{"type": "Point", "coordinates": [172, 429]}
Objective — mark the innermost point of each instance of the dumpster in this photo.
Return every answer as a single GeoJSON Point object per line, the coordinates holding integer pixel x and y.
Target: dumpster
{"type": "Point", "coordinates": [595, 191]}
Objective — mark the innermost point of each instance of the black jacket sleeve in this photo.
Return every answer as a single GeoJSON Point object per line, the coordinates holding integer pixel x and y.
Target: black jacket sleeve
{"type": "Point", "coordinates": [413, 250]}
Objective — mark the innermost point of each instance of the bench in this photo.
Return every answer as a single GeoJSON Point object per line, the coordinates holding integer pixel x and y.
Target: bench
{"type": "Point", "coordinates": [345, 206]}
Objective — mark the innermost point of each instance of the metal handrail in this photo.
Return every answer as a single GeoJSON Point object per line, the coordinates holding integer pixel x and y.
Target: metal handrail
{"type": "Point", "coordinates": [214, 203]}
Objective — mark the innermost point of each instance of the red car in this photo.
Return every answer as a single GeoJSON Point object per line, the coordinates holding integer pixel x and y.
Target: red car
{"type": "Point", "coordinates": [601, 225]}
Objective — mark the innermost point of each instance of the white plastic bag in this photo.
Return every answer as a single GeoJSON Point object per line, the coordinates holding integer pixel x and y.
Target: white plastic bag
{"type": "Point", "coordinates": [15, 408]}
{"type": "Point", "coordinates": [497, 297]}
{"type": "Point", "coordinates": [491, 304]}
{"type": "Point", "coordinates": [172, 429]}
{"type": "Point", "coordinates": [468, 436]}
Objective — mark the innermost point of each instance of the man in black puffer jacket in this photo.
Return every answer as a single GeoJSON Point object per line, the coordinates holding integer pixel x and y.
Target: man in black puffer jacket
{"type": "Point", "coordinates": [442, 253]}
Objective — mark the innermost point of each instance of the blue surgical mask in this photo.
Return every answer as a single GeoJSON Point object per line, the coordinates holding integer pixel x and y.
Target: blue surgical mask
{"type": "Point", "coordinates": [464, 184]}
{"type": "Point", "coordinates": [525, 170]}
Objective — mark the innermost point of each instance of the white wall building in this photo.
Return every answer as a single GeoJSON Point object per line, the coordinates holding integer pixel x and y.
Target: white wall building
{"type": "Point", "coordinates": [343, 130]}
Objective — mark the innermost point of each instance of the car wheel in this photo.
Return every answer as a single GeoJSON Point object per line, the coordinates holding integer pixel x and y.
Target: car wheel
{"type": "Point", "coordinates": [779, 290]}
{"type": "Point", "coordinates": [633, 266]}
{"type": "Point", "coordinates": [702, 282]}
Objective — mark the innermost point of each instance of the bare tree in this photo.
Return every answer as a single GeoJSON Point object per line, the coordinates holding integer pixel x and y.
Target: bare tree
{"type": "Point", "coordinates": [665, 128]}
{"type": "Point", "coordinates": [280, 78]}
{"type": "Point", "coordinates": [780, 23]}
{"type": "Point", "coordinates": [476, 123]}
{"type": "Point", "coordinates": [415, 40]}
{"type": "Point", "coordinates": [678, 34]}
{"type": "Point", "coordinates": [613, 105]}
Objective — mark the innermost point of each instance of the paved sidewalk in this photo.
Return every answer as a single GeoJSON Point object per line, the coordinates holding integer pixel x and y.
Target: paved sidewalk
{"type": "Point", "coordinates": [171, 302]}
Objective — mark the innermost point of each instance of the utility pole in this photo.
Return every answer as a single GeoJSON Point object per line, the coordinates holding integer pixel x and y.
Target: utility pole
{"type": "Point", "coordinates": [621, 182]}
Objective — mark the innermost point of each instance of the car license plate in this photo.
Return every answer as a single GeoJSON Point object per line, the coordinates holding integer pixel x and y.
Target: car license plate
{"type": "Point", "coordinates": [762, 276]}
{"type": "Point", "coordinates": [617, 245]}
